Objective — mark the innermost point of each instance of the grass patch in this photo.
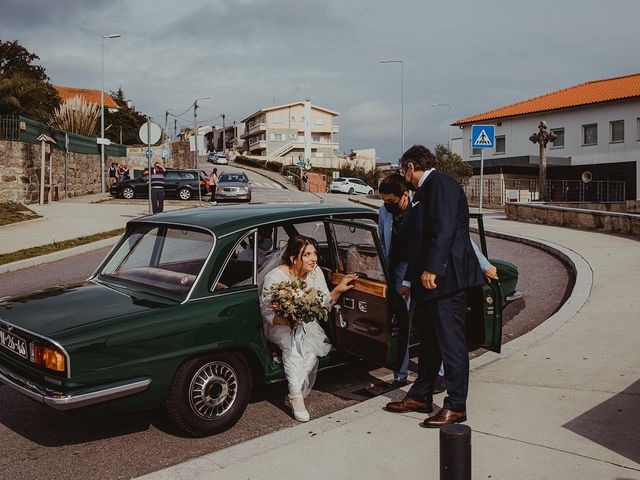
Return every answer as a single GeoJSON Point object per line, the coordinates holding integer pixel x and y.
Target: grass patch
{"type": "Point", "coordinates": [57, 246]}
{"type": "Point", "coordinates": [15, 212]}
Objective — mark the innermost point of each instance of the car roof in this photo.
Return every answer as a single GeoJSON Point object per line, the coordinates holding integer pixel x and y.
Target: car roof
{"type": "Point", "coordinates": [223, 221]}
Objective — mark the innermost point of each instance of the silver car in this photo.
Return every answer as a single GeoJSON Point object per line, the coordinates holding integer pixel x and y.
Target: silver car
{"type": "Point", "coordinates": [233, 186]}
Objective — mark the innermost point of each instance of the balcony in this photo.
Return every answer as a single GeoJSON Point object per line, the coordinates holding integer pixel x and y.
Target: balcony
{"type": "Point", "coordinates": [257, 145]}
{"type": "Point", "coordinates": [253, 128]}
{"type": "Point", "coordinates": [335, 129]}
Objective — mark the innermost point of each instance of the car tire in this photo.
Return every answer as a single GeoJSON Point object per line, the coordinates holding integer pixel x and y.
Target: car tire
{"type": "Point", "coordinates": [209, 394]}
{"type": "Point", "coordinates": [184, 194]}
{"type": "Point", "coordinates": [128, 193]}
{"type": "Point", "coordinates": [351, 191]}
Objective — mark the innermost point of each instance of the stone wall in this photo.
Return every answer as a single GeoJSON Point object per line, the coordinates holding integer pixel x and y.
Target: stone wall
{"type": "Point", "coordinates": [179, 156]}
{"type": "Point", "coordinates": [20, 172]}
{"type": "Point", "coordinates": [611, 222]}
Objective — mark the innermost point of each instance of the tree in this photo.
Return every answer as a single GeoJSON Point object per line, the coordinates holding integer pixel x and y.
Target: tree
{"type": "Point", "coordinates": [126, 118]}
{"type": "Point", "coordinates": [452, 163]}
{"type": "Point", "coordinates": [24, 87]}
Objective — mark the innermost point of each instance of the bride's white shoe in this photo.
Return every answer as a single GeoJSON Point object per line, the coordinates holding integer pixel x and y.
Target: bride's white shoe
{"type": "Point", "coordinates": [299, 415]}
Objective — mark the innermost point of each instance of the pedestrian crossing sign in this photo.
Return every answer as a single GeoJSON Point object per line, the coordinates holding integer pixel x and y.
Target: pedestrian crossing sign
{"type": "Point", "coordinates": [483, 136]}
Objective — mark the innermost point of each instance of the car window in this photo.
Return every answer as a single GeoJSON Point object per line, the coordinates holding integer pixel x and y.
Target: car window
{"type": "Point", "coordinates": [161, 257]}
{"type": "Point", "coordinates": [188, 175]}
{"type": "Point", "coordinates": [233, 177]}
{"type": "Point", "coordinates": [357, 252]}
{"type": "Point", "coordinates": [171, 176]}
{"type": "Point", "coordinates": [239, 269]}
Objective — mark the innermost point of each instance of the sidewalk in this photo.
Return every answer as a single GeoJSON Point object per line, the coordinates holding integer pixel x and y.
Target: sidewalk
{"type": "Point", "coordinates": [562, 401]}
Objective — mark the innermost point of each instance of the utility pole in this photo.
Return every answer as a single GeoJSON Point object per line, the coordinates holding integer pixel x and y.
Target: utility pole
{"type": "Point", "coordinates": [175, 128]}
{"type": "Point", "coordinates": [164, 130]}
{"type": "Point", "coordinates": [224, 138]}
{"type": "Point", "coordinates": [542, 137]}
{"type": "Point", "coordinates": [195, 132]}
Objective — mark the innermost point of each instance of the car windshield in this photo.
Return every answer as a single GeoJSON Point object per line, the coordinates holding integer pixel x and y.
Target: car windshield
{"type": "Point", "coordinates": [162, 257]}
{"type": "Point", "coordinates": [233, 177]}
{"type": "Point", "coordinates": [339, 180]}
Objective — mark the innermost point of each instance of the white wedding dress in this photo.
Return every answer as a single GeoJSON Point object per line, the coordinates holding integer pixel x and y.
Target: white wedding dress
{"type": "Point", "coordinates": [300, 352]}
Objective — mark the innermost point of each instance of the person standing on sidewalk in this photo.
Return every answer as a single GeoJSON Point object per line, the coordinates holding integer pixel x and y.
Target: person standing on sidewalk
{"type": "Point", "coordinates": [443, 267]}
{"type": "Point", "coordinates": [305, 182]}
{"type": "Point", "coordinates": [157, 188]}
{"type": "Point", "coordinates": [393, 235]}
{"type": "Point", "coordinates": [213, 186]}
{"type": "Point", "coordinates": [113, 170]}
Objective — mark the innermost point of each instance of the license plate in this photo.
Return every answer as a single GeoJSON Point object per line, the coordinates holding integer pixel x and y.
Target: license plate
{"type": "Point", "coordinates": [14, 343]}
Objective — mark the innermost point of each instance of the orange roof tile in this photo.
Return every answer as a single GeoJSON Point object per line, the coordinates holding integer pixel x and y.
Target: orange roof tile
{"type": "Point", "coordinates": [90, 96]}
{"type": "Point", "coordinates": [587, 93]}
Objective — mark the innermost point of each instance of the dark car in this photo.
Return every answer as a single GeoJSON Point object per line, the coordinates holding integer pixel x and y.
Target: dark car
{"type": "Point", "coordinates": [233, 186]}
{"type": "Point", "coordinates": [171, 317]}
{"type": "Point", "coordinates": [182, 184]}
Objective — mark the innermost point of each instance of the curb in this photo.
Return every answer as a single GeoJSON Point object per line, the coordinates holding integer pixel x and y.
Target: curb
{"type": "Point", "coordinates": [55, 256]}
{"type": "Point", "coordinates": [23, 222]}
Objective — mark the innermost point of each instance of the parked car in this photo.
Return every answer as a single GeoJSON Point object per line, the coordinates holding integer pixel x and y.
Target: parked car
{"type": "Point", "coordinates": [171, 316]}
{"type": "Point", "coordinates": [233, 186]}
{"type": "Point", "coordinates": [182, 184]}
{"type": "Point", "coordinates": [218, 158]}
{"type": "Point", "coordinates": [350, 186]}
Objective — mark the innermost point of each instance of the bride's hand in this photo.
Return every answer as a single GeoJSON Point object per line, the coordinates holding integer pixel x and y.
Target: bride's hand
{"type": "Point", "coordinates": [345, 284]}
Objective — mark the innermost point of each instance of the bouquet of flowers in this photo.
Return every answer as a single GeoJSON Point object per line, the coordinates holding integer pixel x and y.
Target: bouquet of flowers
{"type": "Point", "coordinates": [297, 303]}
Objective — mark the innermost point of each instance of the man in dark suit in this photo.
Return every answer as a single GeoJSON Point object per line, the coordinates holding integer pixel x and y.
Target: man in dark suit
{"type": "Point", "coordinates": [442, 266]}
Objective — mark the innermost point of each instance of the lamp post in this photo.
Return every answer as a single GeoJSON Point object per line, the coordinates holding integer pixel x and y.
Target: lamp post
{"type": "Point", "coordinates": [448, 117]}
{"type": "Point", "coordinates": [401, 62]}
{"type": "Point", "coordinates": [116, 35]}
{"type": "Point", "coordinates": [195, 128]}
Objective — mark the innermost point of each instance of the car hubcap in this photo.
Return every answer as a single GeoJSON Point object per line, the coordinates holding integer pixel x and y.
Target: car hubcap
{"type": "Point", "coordinates": [184, 195]}
{"type": "Point", "coordinates": [213, 390]}
{"type": "Point", "coordinates": [128, 193]}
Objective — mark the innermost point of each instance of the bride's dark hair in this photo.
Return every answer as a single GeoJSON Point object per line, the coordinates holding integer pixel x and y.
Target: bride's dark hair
{"type": "Point", "coordinates": [295, 246]}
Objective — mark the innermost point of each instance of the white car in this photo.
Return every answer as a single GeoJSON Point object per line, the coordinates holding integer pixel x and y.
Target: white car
{"type": "Point", "coordinates": [350, 186]}
{"type": "Point", "coordinates": [220, 159]}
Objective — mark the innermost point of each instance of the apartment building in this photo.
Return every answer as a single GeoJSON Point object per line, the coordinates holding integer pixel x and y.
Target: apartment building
{"type": "Point", "coordinates": [279, 132]}
{"type": "Point", "coordinates": [597, 125]}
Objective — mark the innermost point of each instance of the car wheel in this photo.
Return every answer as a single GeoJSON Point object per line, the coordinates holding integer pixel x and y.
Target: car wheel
{"type": "Point", "coordinates": [209, 394]}
{"type": "Point", "coordinates": [351, 191]}
{"type": "Point", "coordinates": [128, 193]}
{"type": "Point", "coordinates": [184, 194]}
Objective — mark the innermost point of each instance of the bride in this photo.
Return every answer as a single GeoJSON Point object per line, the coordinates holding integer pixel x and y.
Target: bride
{"type": "Point", "coordinates": [299, 353]}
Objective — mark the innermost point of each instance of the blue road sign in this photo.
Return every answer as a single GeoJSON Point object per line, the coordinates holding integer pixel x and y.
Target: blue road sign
{"type": "Point", "coordinates": [148, 153]}
{"type": "Point", "coordinates": [165, 153]}
{"type": "Point", "coordinates": [300, 164]}
{"type": "Point", "coordinates": [483, 136]}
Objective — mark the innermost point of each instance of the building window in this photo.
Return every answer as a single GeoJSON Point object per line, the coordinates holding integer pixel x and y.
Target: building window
{"type": "Point", "coordinates": [319, 121]}
{"type": "Point", "coordinates": [559, 141]}
{"type": "Point", "coordinates": [501, 144]}
{"type": "Point", "coordinates": [277, 137]}
{"type": "Point", "coordinates": [316, 138]}
{"type": "Point", "coordinates": [276, 119]}
{"type": "Point", "coordinates": [590, 134]}
{"type": "Point", "coordinates": [617, 131]}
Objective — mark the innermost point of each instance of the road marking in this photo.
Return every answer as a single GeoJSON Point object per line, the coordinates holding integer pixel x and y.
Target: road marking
{"type": "Point", "coordinates": [267, 185]}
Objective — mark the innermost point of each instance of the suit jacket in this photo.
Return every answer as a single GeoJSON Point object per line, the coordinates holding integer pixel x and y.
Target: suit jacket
{"type": "Point", "coordinates": [385, 226]}
{"type": "Point", "coordinates": [439, 241]}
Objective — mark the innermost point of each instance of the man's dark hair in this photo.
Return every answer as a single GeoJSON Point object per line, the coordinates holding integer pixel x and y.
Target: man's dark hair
{"type": "Point", "coordinates": [420, 156]}
{"type": "Point", "coordinates": [393, 184]}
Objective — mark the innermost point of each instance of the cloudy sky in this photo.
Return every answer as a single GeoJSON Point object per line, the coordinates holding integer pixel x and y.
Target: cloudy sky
{"type": "Point", "coordinates": [246, 54]}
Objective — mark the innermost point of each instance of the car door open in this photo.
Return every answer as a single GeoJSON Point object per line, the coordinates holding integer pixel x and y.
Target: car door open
{"type": "Point", "coordinates": [363, 325]}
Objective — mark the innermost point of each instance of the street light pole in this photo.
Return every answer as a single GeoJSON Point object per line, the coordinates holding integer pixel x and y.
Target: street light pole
{"type": "Point", "coordinates": [401, 62]}
{"type": "Point", "coordinates": [195, 128]}
{"type": "Point", "coordinates": [448, 117]}
{"type": "Point", "coordinates": [102, 109]}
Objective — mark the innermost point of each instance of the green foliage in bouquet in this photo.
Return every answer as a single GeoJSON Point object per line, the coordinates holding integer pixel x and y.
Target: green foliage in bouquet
{"type": "Point", "coordinates": [297, 303]}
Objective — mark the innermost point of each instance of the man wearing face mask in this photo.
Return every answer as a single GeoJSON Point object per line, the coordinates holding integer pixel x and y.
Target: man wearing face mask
{"type": "Point", "coordinates": [442, 267]}
{"type": "Point", "coordinates": [265, 244]}
{"type": "Point", "coordinates": [392, 220]}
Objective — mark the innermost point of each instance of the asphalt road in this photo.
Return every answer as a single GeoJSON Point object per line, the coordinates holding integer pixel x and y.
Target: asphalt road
{"type": "Point", "coordinates": [37, 442]}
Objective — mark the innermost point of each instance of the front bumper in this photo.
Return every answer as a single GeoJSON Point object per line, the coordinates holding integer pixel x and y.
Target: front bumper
{"type": "Point", "coordinates": [221, 194]}
{"type": "Point", "coordinates": [81, 398]}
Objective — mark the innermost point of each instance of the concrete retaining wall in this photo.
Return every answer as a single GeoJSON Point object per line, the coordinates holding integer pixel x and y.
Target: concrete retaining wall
{"type": "Point", "coordinates": [613, 222]}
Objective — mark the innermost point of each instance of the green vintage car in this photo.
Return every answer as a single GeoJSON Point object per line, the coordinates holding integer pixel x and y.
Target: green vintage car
{"type": "Point", "coordinates": [171, 316]}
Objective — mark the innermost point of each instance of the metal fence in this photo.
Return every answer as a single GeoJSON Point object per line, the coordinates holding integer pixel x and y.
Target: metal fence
{"type": "Point", "coordinates": [27, 130]}
{"type": "Point", "coordinates": [501, 191]}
